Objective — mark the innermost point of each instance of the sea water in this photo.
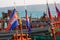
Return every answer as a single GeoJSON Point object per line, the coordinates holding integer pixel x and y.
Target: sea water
{"type": "Point", "coordinates": [35, 14]}
{"type": "Point", "coordinates": [35, 10]}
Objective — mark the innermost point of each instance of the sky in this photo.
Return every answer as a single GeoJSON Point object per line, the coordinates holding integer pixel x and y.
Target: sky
{"type": "Point", "coordinates": [9, 3]}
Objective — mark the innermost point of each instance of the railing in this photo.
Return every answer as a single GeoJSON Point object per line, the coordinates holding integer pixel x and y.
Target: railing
{"type": "Point", "coordinates": [33, 30]}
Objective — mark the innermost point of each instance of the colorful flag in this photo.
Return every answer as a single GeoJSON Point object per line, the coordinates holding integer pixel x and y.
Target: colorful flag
{"type": "Point", "coordinates": [49, 13]}
{"type": "Point", "coordinates": [57, 10]}
{"type": "Point", "coordinates": [13, 21]}
{"type": "Point", "coordinates": [27, 22]}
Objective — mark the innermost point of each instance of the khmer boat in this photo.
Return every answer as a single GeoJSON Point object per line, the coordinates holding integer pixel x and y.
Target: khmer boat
{"type": "Point", "coordinates": [46, 27]}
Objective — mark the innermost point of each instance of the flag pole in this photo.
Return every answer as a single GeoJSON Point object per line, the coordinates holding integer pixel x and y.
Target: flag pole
{"type": "Point", "coordinates": [17, 26]}
{"type": "Point", "coordinates": [47, 9]}
{"type": "Point", "coordinates": [20, 22]}
{"type": "Point", "coordinates": [53, 33]}
{"type": "Point", "coordinates": [25, 15]}
{"type": "Point", "coordinates": [52, 29]}
{"type": "Point", "coordinates": [26, 29]}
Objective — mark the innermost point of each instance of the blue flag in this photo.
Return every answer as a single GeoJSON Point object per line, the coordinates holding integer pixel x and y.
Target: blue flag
{"type": "Point", "coordinates": [28, 23]}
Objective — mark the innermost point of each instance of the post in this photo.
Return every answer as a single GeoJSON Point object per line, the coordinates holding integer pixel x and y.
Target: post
{"type": "Point", "coordinates": [15, 37]}
{"type": "Point", "coordinates": [20, 22]}
{"type": "Point", "coordinates": [17, 33]}
{"type": "Point", "coordinates": [53, 33]}
{"type": "Point", "coordinates": [26, 33]}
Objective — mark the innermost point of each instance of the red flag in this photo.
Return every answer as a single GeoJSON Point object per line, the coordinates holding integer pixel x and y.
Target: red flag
{"type": "Point", "coordinates": [49, 13]}
{"type": "Point", "coordinates": [57, 10]}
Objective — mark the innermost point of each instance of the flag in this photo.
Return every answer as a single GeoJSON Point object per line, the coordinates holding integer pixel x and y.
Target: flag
{"type": "Point", "coordinates": [57, 10]}
{"type": "Point", "coordinates": [27, 22]}
{"type": "Point", "coordinates": [44, 14]}
{"type": "Point", "coordinates": [13, 21]}
{"type": "Point", "coordinates": [49, 13]}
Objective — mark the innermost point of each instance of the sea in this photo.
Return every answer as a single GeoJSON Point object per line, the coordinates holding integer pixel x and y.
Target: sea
{"type": "Point", "coordinates": [36, 10]}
